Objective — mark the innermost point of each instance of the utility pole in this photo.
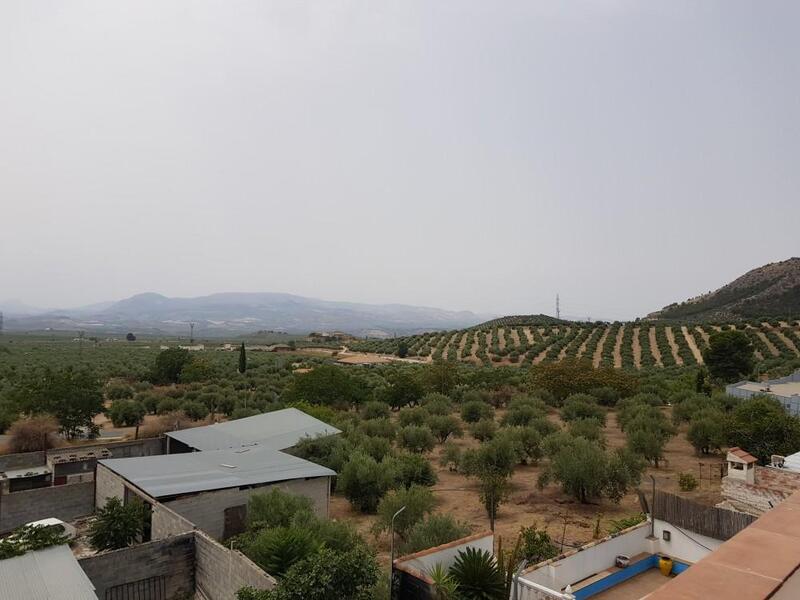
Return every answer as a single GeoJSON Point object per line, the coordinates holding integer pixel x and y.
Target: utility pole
{"type": "Point", "coordinates": [191, 334]}
{"type": "Point", "coordinates": [558, 307]}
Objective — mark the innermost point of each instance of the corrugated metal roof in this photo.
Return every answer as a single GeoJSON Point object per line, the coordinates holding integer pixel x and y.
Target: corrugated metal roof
{"type": "Point", "coordinates": [277, 430]}
{"type": "Point", "coordinates": [49, 574]}
{"type": "Point", "coordinates": [175, 474]}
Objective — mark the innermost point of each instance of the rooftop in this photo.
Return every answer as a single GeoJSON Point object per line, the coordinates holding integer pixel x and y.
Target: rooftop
{"type": "Point", "coordinates": [276, 430]}
{"type": "Point", "coordinates": [758, 562]}
{"type": "Point", "coordinates": [743, 455]}
{"type": "Point", "coordinates": [176, 474]}
{"type": "Point", "coordinates": [49, 574]}
{"type": "Point", "coordinates": [780, 389]}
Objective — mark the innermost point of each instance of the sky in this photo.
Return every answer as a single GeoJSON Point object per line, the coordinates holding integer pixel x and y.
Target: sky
{"type": "Point", "coordinates": [466, 155]}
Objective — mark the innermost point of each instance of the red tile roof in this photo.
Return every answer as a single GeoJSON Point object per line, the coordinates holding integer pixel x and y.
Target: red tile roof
{"type": "Point", "coordinates": [743, 455]}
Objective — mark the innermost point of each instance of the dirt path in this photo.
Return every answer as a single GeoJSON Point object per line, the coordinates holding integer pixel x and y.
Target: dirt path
{"type": "Point", "coordinates": [786, 340]}
{"type": "Point", "coordinates": [563, 354]}
{"type": "Point", "coordinates": [528, 334]}
{"type": "Point", "coordinates": [540, 357]}
{"type": "Point", "coordinates": [698, 356]}
{"type": "Point", "coordinates": [514, 334]}
{"type": "Point", "coordinates": [462, 343]}
{"type": "Point", "coordinates": [703, 334]}
{"type": "Point", "coordinates": [716, 328]}
{"type": "Point", "coordinates": [598, 352]}
{"type": "Point", "coordinates": [651, 333]}
{"type": "Point", "coordinates": [582, 349]}
{"type": "Point", "coordinates": [772, 349]}
{"type": "Point", "coordinates": [673, 345]}
{"type": "Point", "coordinates": [637, 349]}
{"type": "Point", "coordinates": [617, 348]}
{"type": "Point", "coordinates": [501, 338]}
{"type": "Point", "coordinates": [473, 351]}
{"type": "Point", "coordinates": [759, 356]}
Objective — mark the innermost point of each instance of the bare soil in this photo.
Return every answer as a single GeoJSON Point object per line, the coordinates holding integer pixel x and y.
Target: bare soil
{"type": "Point", "coordinates": [528, 334]}
{"type": "Point", "coordinates": [617, 347]}
{"type": "Point", "coordinates": [462, 344]}
{"type": "Point", "coordinates": [582, 349]}
{"type": "Point", "coordinates": [598, 352]}
{"type": "Point", "coordinates": [637, 349]}
{"type": "Point", "coordinates": [514, 335]}
{"type": "Point", "coordinates": [654, 347]}
{"type": "Point", "coordinates": [786, 340]}
{"type": "Point", "coordinates": [703, 333]}
{"type": "Point", "coordinates": [698, 356]}
{"type": "Point", "coordinates": [673, 345]}
{"type": "Point", "coordinates": [772, 349]}
{"type": "Point", "coordinates": [501, 338]}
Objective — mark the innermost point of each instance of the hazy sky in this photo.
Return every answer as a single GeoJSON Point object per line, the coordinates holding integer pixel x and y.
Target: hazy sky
{"type": "Point", "coordinates": [468, 155]}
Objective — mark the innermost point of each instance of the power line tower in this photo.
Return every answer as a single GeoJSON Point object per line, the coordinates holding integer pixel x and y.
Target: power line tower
{"type": "Point", "coordinates": [191, 333]}
{"type": "Point", "coordinates": [558, 307]}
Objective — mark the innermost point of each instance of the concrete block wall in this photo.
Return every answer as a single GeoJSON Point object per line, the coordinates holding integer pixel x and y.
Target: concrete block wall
{"type": "Point", "coordinates": [166, 523]}
{"type": "Point", "coordinates": [173, 558]}
{"type": "Point", "coordinates": [107, 485]}
{"type": "Point", "coordinates": [221, 572]}
{"type": "Point", "coordinates": [207, 509]}
{"type": "Point", "coordinates": [65, 502]}
{"type": "Point", "coordinates": [21, 460]}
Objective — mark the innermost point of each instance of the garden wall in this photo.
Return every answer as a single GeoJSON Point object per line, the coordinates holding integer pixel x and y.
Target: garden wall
{"type": "Point", "coordinates": [65, 502]}
{"type": "Point", "coordinates": [221, 572]}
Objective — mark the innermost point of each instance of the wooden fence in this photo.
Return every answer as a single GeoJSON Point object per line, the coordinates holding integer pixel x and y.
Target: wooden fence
{"type": "Point", "coordinates": [711, 521]}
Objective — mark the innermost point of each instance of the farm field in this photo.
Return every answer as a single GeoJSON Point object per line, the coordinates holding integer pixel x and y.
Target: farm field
{"type": "Point", "coordinates": [631, 345]}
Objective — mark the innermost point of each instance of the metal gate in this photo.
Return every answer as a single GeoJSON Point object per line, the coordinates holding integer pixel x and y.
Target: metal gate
{"type": "Point", "coordinates": [152, 588]}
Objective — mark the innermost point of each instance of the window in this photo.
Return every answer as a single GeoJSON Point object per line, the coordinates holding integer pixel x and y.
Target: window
{"type": "Point", "coordinates": [737, 466]}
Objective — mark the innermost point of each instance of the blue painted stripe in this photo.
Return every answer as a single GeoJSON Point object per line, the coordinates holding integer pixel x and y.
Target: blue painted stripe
{"type": "Point", "coordinates": [601, 585]}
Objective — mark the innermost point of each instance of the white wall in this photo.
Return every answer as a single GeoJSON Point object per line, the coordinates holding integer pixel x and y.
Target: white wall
{"type": "Point", "coordinates": [686, 547]}
{"type": "Point", "coordinates": [424, 561]}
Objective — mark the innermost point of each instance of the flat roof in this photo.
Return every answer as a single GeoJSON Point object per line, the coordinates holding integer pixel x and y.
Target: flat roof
{"type": "Point", "coordinates": [752, 565]}
{"type": "Point", "coordinates": [49, 574]}
{"type": "Point", "coordinates": [26, 472]}
{"type": "Point", "coordinates": [277, 430]}
{"type": "Point", "coordinates": [186, 473]}
{"type": "Point", "coordinates": [781, 389]}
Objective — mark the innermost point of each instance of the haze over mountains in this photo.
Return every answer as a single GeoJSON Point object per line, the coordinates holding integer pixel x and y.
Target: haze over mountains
{"type": "Point", "coordinates": [238, 313]}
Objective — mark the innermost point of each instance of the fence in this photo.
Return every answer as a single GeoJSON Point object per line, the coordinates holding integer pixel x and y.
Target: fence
{"type": "Point", "coordinates": [710, 521]}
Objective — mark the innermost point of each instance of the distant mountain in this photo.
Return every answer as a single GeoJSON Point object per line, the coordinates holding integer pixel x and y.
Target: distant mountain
{"type": "Point", "coordinates": [769, 291]}
{"type": "Point", "coordinates": [12, 306]}
{"type": "Point", "coordinates": [237, 313]}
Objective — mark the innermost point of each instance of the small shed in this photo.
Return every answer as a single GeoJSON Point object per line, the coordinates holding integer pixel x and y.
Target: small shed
{"type": "Point", "coordinates": [741, 465]}
{"type": "Point", "coordinates": [49, 574]}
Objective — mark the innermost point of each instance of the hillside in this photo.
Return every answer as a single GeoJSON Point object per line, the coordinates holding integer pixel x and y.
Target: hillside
{"type": "Point", "coordinates": [769, 291]}
{"type": "Point", "coordinates": [634, 345]}
{"type": "Point", "coordinates": [238, 313]}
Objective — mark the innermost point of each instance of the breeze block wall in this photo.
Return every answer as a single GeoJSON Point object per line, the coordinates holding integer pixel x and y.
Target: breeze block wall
{"type": "Point", "coordinates": [221, 572]}
{"type": "Point", "coordinates": [65, 502]}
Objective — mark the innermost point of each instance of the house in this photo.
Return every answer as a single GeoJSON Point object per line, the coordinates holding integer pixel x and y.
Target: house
{"type": "Point", "coordinates": [277, 430]}
{"type": "Point", "coordinates": [785, 390]}
{"type": "Point", "coordinates": [211, 488]}
{"type": "Point", "coordinates": [754, 489]}
{"type": "Point", "coordinates": [49, 574]}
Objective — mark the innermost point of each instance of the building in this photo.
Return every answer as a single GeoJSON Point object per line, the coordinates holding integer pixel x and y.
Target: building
{"type": "Point", "coordinates": [49, 574]}
{"type": "Point", "coordinates": [754, 489]}
{"type": "Point", "coordinates": [211, 489]}
{"type": "Point", "coordinates": [785, 390]}
{"type": "Point", "coordinates": [277, 430]}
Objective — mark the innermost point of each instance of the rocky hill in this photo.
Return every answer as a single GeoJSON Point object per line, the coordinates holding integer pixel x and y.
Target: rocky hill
{"type": "Point", "coordinates": [769, 291]}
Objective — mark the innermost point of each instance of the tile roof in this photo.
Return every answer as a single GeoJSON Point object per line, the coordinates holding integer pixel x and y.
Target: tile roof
{"type": "Point", "coordinates": [752, 565]}
{"type": "Point", "coordinates": [742, 454]}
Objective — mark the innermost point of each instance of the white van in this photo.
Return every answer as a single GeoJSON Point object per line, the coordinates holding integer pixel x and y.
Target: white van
{"type": "Point", "coordinates": [57, 525]}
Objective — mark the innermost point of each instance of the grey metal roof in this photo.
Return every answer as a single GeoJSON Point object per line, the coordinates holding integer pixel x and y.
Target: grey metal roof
{"type": "Point", "coordinates": [277, 430]}
{"type": "Point", "coordinates": [175, 474]}
{"type": "Point", "coordinates": [49, 574]}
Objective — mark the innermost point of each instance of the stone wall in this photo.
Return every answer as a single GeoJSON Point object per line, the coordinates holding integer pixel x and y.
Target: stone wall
{"type": "Point", "coordinates": [65, 502]}
{"type": "Point", "coordinates": [772, 487]}
{"type": "Point", "coordinates": [172, 558]}
{"type": "Point", "coordinates": [207, 509]}
{"type": "Point", "coordinates": [221, 572]}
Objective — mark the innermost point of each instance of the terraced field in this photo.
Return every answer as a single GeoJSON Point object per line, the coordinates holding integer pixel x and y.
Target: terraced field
{"type": "Point", "coordinates": [513, 342]}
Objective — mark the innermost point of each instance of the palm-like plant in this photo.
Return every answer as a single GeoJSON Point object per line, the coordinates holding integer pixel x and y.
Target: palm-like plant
{"type": "Point", "coordinates": [444, 586]}
{"type": "Point", "coordinates": [477, 576]}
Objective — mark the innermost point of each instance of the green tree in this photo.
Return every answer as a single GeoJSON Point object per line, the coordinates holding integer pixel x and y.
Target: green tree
{"type": "Point", "coordinates": [117, 525]}
{"type": "Point", "coordinates": [126, 413]}
{"type": "Point", "coordinates": [404, 390]}
{"type": "Point", "coordinates": [29, 538]}
{"type": "Point", "coordinates": [364, 481]}
{"type": "Point", "coordinates": [729, 355]}
{"type": "Point", "coordinates": [434, 530]}
{"type": "Point", "coordinates": [402, 349]}
{"type": "Point", "coordinates": [276, 550]}
{"type": "Point", "coordinates": [327, 385]}
{"type": "Point", "coordinates": [276, 508]}
{"type": "Point", "coordinates": [444, 426]}
{"type": "Point", "coordinates": [242, 359]}
{"type": "Point", "coordinates": [536, 545]}
{"type": "Point", "coordinates": [707, 431]}
{"type": "Point", "coordinates": [416, 439]}
{"type": "Point", "coordinates": [168, 365]}
{"type": "Point", "coordinates": [441, 376]}
{"type": "Point", "coordinates": [761, 426]}
{"type": "Point", "coordinates": [418, 500]}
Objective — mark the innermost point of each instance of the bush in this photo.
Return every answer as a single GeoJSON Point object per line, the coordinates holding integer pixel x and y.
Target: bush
{"type": "Point", "coordinates": [117, 525]}
{"type": "Point", "coordinates": [378, 428]}
{"type": "Point", "coordinates": [126, 413]}
{"type": "Point", "coordinates": [418, 502]}
{"type": "Point", "coordinates": [416, 438]}
{"type": "Point", "coordinates": [119, 391]}
{"type": "Point", "coordinates": [413, 416]}
{"type": "Point", "coordinates": [433, 531]}
{"type": "Point", "coordinates": [483, 430]}
{"type": "Point", "coordinates": [687, 482]}
{"type": "Point", "coordinates": [451, 456]}
{"type": "Point", "coordinates": [475, 410]}
{"type": "Point", "coordinates": [412, 469]}
{"type": "Point", "coordinates": [195, 410]}
{"type": "Point", "coordinates": [276, 508]}
{"type": "Point", "coordinates": [149, 400]}
{"type": "Point", "coordinates": [375, 410]}
{"type": "Point", "coordinates": [582, 406]}
{"type": "Point", "coordinates": [444, 426]}
{"type": "Point", "coordinates": [364, 481]}
{"type": "Point", "coordinates": [168, 405]}
{"type": "Point", "coordinates": [33, 434]}
{"type": "Point", "coordinates": [276, 550]}
{"type": "Point", "coordinates": [536, 545]}
{"type": "Point", "coordinates": [477, 575]}
{"type": "Point", "coordinates": [591, 429]}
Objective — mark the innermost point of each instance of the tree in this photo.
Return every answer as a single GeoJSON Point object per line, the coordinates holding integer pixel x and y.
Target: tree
{"type": "Point", "coordinates": [536, 545]}
{"type": "Point", "coordinates": [402, 349]}
{"type": "Point", "coordinates": [73, 396]}
{"type": "Point", "coordinates": [404, 390]}
{"type": "Point", "coordinates": [34, 434]}
{"type": "Point", "coordinates": [130, 337]}
{"type": "Point", "coordinates": [325, 575]}
{"type": "Point", "coordinates": [364, 481]}
{"type": "Point", "coordinates": [276, 550]}
{"type": "Point", "coordinates": [707, 431]}
{"type": "Point", "coordinates": [29, 538]}
{"type": "Point", "coordinates": [729, 355]}
{"type": "Point", "coordinates": [276, 508]}
{"type": "Point", "coordinates": [582, 406]}
{"type": "Point", "coordinates": [117, 525]}
{"type": "Point", "coordinates": [168, 365]}
{"type": "Point", "coordinates": [761, 426]}
{"type": "Point", "coordinates": [242, 359]}
{"type": "Point", "coordinates": [443, 426]}
{"type": "Point", "coordinates": [412, 469]}
{"type": "Point", "coordinates": [416, 439]}
{"type": "Point", "coordinates": [441, 376]}
{"type": "Point", "coordinates": [325, 385]}
{"type": "Point", "coordinates": [419, 501]}
{"type": "Point", "coordinates": [572, 376]}
{"type": "Point", "coordinates": [434, 530]}
{"type": "Point", "coordinates": [126, 413]}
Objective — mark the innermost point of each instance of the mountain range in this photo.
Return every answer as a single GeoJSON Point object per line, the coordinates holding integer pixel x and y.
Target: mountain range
{"type": "Point", "coordinates": [239, 313]}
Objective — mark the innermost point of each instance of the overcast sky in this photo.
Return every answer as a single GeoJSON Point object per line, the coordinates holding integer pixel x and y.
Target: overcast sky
{"type": "Point", "coordinates": [466, 155]}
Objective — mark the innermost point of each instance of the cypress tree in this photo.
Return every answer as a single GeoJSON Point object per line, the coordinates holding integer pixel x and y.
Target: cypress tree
{"type": "Point", "coordinates": [242, 360]}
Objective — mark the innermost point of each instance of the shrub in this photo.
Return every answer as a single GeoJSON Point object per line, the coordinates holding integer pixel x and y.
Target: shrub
{"type": "Point", "coordinates": [483, 430]}
{"type": "Point", "coordinates": [378, 428]}
{"type": "Point", "coordinates": [195, 410]}
{"type": "Point", "coordinates": [418, 502]}
{"type": "Point", "coordinates": [375, 410]}
{"type": "Point", "coordinates": [536, 545]}
{"type": "Point", "coordinates": [416, 438]}
{"type": "Point", "coordinates": [432, 531]}
{"type": "Point", "coordinates": [413, 416]}
{"type": "Point", "coordinates": [126, 413]}
{"type": "Point", "coordinates": [118, 391]}
{"type": "Point", "coordinates": [364, 481]}
{"type": "Point", "coordinates": [276, 550]}
{"type": "Point", "coordinates": [451, 456]}
{"type": "Point", "coordinates": [475, 410]}
{"type": "Point", "coordinates": [582, 406]}
{"type": "Point", "coordinates": [117, 525]}
{"type": "Point", "coordinates": [168, 405]}
{"type": "Point", "coordinates": [166, 422]}
{"type": "Point", "coordinates": [276, 508]}
{"type": "Point", "coordinates": [687, 482]}
{"type": "Point", "coordinates": [444, 426]}
{"type": "Point", "coordinates": [591, 429]}
{"type": "Point", "coordinates": [33, 434]}
{"type": "Point", "coordinates": [412, 469]}
{"type": "Point", "coordinates": [477, 576]}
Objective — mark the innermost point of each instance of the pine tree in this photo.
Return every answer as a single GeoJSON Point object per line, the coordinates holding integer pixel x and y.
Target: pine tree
{"type": "Point", "coordinates": [242, 360]}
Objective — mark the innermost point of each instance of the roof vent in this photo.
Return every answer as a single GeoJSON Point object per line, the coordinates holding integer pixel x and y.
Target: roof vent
{"type": "Point", "coordinates": [228, 466]}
